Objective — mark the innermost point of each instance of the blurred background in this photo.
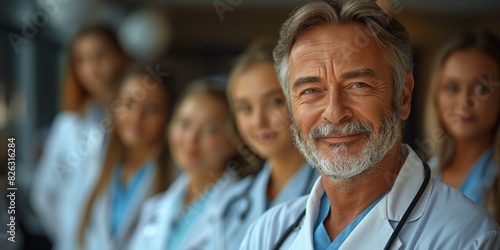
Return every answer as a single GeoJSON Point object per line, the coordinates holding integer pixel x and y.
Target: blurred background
{"type": "Point", "coordinates": [187, 39]}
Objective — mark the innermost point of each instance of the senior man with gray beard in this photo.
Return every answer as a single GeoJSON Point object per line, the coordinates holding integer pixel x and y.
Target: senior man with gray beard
{"type": "Point", "coordinates": [346, 70]}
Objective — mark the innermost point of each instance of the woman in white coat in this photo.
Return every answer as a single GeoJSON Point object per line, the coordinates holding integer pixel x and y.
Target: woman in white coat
{"type": "Point", "coordinates": [203, 143]}
{"type": "Point", "coordinates": [135, 167]}
{"type": "Point", "coordinates": [263, 121]}
{"type": "Point", "coordinates": [466, 99]}
{"type": "Point", "coordinates": [95, 64]}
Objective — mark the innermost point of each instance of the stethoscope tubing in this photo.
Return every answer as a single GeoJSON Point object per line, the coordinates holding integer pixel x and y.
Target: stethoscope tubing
{"type": "Point", "coordinates": [396, 231]}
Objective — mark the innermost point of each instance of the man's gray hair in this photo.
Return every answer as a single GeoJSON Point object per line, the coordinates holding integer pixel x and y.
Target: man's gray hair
{"type": "Point", "coordinates": [387, 31]}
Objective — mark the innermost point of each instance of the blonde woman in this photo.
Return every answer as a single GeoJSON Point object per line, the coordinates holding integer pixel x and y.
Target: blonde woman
{"type": "Point", "coordinates": [467, 102]}
{"type": "Point", "coordinates": [203, 143]}
{"type": "Point", "coordinates": [263, 120]}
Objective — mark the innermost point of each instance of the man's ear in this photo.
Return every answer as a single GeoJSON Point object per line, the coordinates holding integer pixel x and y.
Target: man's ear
{"type": "Point", "coordinates": [406, 97]}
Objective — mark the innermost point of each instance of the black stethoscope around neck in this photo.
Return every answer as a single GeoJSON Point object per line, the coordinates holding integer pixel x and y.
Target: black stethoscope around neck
{"type": "Point", "coordinates": [396, 231]}
{"type": "Point", "coordinates": [245, 196]}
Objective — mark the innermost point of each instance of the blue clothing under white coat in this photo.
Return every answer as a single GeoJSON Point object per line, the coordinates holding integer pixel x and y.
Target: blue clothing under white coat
{"type": "Point", "coordinates": [321, 237]}
{"type": "Point", "coordinates": [233, 229]}
{"type": "Point", "coordinates": [99, 234]}
{"type": "Point", "coordinates": [442, 219]}
{"type": "Point", "coordinates": [160, 212]}
{"type": "Point", "coordinates": [121, 196]}
{"type": "Point", "coordinates": [479, 179]}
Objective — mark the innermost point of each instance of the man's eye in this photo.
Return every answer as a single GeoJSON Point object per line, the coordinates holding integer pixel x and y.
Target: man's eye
{"type": "Point", "coordinates": [309, 91]}
{"type": "Point", "coordinates": [358, 85]}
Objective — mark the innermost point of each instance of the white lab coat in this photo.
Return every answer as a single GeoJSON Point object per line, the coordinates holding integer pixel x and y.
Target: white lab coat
{"type": "Point", "coordinates": [233, 228]}
{"type": "Point", "coordinates": [159, 212]}
{"type": "Point", "coordinates": [98, 236]}
{"type": "Point", "coordinates": [442, 219]}
{"type": "Point", "coordinates": [73, 200]}
{"type": "Point", "coordinates": [74, 141]}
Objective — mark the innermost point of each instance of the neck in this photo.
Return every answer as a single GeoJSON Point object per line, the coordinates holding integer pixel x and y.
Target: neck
{"type": "Point", "coordinates": [349, 198]}
{"type": "Point", "coordinates": [466, 152]}
{"type": "Point", "coordinates": [283, 168]}
{"type": "Point", "coordinates": [134, 159]}
{"type": "Point", "coordinates": [199, 182]}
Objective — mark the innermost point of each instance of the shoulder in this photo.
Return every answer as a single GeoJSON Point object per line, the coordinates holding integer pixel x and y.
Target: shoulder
{"type": "Point", "coordinates": [269, 228]}
{"type": "Point", "coordinates": [66, 118]}
{"type": "Point", "coordinates": [65, 126]}
{"type": "Point", "coordinates": [452, 217]}
{"type": "Point", "coordinates": [445, 198]}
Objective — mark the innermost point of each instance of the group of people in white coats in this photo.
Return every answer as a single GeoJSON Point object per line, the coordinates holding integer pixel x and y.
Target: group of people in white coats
{"type": "Point", "coordinates": [210, 191]}
{"type": "Point", "coordinates": [301, 149]}
{"type": "Point", "coordinates": [126, 198]}
{"type": "Point", "coordinates": [102, 163]}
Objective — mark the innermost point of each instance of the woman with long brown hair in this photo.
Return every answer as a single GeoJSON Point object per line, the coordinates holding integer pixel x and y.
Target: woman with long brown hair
{"type": "Point", "coordinates": [262, 118]}
{"type": "Point", "coordinates": [203, 143]}
{"type": "Point", "coordinates": [96, 63]}
{"type": "Point", "coordinates": [136, 164]}
{"type": "Point", "coordinates": [466, 98]}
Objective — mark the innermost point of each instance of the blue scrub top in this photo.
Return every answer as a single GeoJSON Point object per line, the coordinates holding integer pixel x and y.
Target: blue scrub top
{"type": "Point", "coordinates": [321, 238]}
{"type": "Point", "coordinates": [480, 177]}
{"type": "Point", "coordinates": [121, 196]}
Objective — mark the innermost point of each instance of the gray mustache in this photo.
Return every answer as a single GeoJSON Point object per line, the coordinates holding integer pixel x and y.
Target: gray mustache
{"type": "Point", "coordinates": [328, 129]}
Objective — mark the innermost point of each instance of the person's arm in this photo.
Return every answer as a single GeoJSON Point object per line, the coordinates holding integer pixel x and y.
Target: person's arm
{"type": "Point", "coordinates": [49, 171]}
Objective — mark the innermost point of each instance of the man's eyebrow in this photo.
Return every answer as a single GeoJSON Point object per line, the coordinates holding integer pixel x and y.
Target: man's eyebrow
{"type": "Point", "coordinates": [304, 80]}
{"type": "Point", "coordinates": [358, 73]}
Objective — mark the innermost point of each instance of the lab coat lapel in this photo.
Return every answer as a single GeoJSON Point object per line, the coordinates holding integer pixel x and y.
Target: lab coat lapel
{"type": "Point", "coordinates": [99, 237]}
{"type": "Point", "coordinates": [258, 192]}
{"type": "Point", "coordinates": [304, 238]}
{"type": "Point", "coordinates": [405, 188]}
{"type": "Point", "coordinates": [375, 229]}
{"type": "Point", "coordinates": [199, 236]}
{"type": "Point", "coordinates": [164, 213]}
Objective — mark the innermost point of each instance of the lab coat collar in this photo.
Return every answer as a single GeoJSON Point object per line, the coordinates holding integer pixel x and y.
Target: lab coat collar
{"type": "Point", "coordinates": [164, 213]}
{"type": "Point", "coordinates": [304, 239]}
{"type": "Point", "coordinates": [375, 229]}
{"type": "Point", "coordinates": [166, 210]}
{"type": "Point", "coordinates": [259, 189]}
{"type": "Point", "coordinates": [102, 210]}
{"type": "Point", "coordinates": [205, 237]}
{"type": "Point", "coordinates": [405, 188]}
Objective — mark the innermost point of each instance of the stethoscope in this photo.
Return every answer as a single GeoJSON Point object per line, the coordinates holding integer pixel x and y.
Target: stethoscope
{"type": "Point", "coordinates": [396, 231]}
{"type": "Point", "coordinates": [245, 196]}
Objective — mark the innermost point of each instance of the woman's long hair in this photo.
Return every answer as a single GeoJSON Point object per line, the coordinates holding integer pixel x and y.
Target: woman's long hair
{"type": "Point", "coordinates": [116, 150]}
{"type": "Point", "coordinates": [75, 96]}
{"type": "Point", "coordinates": [488, 44]}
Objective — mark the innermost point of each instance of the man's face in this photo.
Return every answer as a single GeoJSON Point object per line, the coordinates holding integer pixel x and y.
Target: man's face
{"type": "Point", "coordinates": [341, 94]}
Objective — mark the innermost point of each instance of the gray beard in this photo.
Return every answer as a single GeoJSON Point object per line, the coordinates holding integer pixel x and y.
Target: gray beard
{"type": "Point", "coordinates": [338, 164]}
